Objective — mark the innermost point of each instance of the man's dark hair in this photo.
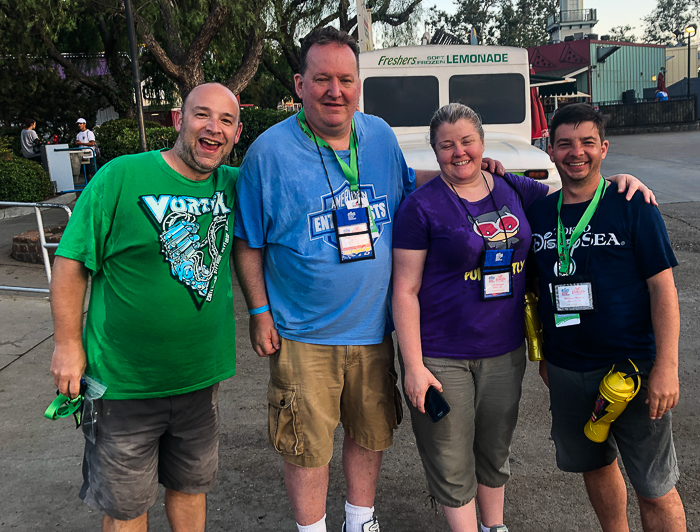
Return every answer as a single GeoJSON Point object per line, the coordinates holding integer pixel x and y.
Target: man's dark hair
{"type": "Point", "coordinates": [576, 113]}
{"type": "Point", "coordinates": [28, 122]}
{"type": "Point", "coordinates": [327, 35]}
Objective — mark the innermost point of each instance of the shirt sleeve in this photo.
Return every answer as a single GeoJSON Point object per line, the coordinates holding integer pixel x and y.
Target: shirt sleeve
{"type": "Point", "coordinates": [85, 237]}
{"type": "Point", "coordinates": [249, 220]}
{"type": "Point", "coordinates": [411, 228]}
{"type": "Point", "coordinates": [530, 189]}
{"type": "Point", "coordinates": [652, 247]}
{"type": "Point", "coordinates": [90, 136]}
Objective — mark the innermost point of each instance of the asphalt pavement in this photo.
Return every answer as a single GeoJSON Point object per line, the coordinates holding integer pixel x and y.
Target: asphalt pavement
{"type": "Point", "coordinates": [40, 459]}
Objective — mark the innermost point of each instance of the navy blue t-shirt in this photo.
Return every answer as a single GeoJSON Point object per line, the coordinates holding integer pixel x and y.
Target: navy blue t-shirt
{"type": "Point", "coordinates": [624, 245]}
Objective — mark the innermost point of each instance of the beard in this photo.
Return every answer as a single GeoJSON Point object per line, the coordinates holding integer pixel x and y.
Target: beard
{"type": "Point", "coordinates": [187, 151]}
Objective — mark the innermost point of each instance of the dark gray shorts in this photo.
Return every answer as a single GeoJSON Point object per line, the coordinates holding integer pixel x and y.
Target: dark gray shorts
{"type": "Point", "coordinates": [646, 445]}
{"type": "Point", "coordinates": [139, 443]}
{"type": "Point", "coordinates": [471, 444]}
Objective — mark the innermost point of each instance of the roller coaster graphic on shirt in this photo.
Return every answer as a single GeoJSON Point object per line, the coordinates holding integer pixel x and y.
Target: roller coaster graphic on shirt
{"type": "Point", "coordinates": [180, 239]}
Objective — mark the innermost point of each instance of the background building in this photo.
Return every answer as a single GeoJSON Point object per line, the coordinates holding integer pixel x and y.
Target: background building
{"type": "Point", "coordinates": [572, 20]}
{"type": "Point", "coordinates": [604, 70]}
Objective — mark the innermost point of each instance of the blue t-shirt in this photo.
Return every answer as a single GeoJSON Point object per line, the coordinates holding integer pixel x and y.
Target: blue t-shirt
{"type": "Point", "coordinates": [624, 245]}
{"type": "Point", "coordinates": [454, 321]}
{"type": "Point", "coordinates": [284, 205]}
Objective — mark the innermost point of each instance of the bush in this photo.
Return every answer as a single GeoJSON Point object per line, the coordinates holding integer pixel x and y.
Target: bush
{"type": "Point", "coordinates": [255, 122]}
{"type": "Point", "coordinates": [121, 137]}
{"type": "Point", "coordinates": [10, 145]}
{"type": "Point", "coordinates": [23, 180]}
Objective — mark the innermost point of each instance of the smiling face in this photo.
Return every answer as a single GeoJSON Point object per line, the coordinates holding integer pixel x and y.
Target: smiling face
{"type": "Point", "coordinates": [330, 89]}
{"type": "Point", "coordinates": [208, 127]}
{"type": "Point", "coordinates": [459, 149]}
{"type": "Point", "coordinates": [82, 126]}
{"type": "Point", "coordinates": [577, 153]}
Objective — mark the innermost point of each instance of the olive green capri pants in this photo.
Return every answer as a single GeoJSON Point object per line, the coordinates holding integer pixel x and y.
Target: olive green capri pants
{"type": "Point", "coordinates": [471, 444]}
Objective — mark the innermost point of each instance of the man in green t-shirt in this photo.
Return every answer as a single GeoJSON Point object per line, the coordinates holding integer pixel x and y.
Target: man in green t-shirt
{"type": "Point", "coordinates": [153, 231]}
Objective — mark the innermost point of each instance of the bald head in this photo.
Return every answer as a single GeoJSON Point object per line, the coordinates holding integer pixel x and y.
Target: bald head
{"type": "Point", "coordinates": [208, 125]}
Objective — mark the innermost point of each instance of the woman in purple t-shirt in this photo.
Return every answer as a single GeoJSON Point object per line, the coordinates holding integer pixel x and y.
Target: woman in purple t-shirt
{"type": "Point", "coordinates": [460, 244]}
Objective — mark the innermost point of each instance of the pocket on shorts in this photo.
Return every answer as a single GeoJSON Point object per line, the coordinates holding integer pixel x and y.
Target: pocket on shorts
{"type": "Point", "coordinates": [283, 423]}
{"type": "Point", "coordinates": [398, 402]}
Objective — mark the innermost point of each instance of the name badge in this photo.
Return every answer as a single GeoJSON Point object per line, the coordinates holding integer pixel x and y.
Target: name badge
{"type": "Point", "coordinates": [363, 202]}
{"type": "Point", "coordinates": [573, 293]}
{"type": "Point", "coordinates": [353, 234]}
{"type": "Point", "coordinates": [497, 274]}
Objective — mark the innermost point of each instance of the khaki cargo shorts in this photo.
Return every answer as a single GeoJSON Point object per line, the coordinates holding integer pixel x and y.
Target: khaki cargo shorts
{"type": "Point", "coordinates": [313, 387]}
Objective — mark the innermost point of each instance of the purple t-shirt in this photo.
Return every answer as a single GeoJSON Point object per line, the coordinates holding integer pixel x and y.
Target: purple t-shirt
{"type": "Point", "coordinates": [454, 321]}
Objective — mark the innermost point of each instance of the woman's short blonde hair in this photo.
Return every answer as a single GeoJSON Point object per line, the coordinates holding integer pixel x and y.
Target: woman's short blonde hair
{"type": "Point", "coordinates": [450, 114]}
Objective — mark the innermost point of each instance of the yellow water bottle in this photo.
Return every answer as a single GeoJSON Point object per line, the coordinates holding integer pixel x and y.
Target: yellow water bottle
{"type": "Point", "coordinates": [615, 391]}
{"type": "Point", "coordinates": [533, 328]}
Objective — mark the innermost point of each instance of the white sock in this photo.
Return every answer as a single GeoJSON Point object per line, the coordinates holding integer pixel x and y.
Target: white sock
{"type": "Point", "coordinates": [356, 516]}
{"type": "Point", "coordinates": [318, 526]}
{"type": "Point", "coordinates": [487, 528]}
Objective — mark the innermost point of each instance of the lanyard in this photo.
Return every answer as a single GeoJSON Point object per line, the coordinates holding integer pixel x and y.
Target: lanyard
{"type": "Point", "coordinates": [565, 249]}
{"type": "Point", "coordinates": [351, 172]}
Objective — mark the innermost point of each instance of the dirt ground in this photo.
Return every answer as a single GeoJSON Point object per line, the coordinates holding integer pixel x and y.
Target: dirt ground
{"type": "Point", "coordinates": [40, 460]}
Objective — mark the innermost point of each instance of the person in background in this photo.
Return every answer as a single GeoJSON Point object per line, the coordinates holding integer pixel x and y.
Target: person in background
{"type": "Point", "coordinates": [29, 140]}
{"type": "Point", "coordinates": [85, 137]}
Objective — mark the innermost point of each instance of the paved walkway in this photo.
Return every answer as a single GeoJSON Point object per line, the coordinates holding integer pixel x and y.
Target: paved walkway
{"type": "Point", "coordinates": [40, 459]}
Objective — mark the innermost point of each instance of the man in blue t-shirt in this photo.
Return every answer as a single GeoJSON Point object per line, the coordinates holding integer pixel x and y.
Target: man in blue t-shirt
{"type": "Point", "coordinates": [607, 297]}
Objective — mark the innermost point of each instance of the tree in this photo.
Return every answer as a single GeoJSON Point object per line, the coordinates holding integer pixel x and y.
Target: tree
{"type": "Point", "coordinates": [668, 18]}
{"type": "Point", "coordinates": [39, 28]}
{"type": "Point", "coordinates": [620, 34]}
{"type": "Point", "coordinates": [525, 23]}
{"type": "Point", "coordinates": [180, 37]}
{"type": "Point", "coordinates": [292, 20]}
{"type": "Point", "coordinates": [53, 101]}
{"type": "Point", "coordinates": [520, 23]}
{"type": "Point", "coordinates": [478, 14]}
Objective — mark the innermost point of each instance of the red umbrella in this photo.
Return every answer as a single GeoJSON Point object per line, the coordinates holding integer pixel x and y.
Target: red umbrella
{"type": "Point", "coordinates": [538, 118]}
{"type": "Point", "coordinates": [661, 83]}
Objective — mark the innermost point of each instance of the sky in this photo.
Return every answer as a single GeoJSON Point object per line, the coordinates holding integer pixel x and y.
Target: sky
{"type": "Point", "coordinates": [610, 13]}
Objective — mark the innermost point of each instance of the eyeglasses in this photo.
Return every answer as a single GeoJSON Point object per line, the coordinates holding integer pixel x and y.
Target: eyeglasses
{"type": "Point", "coordinates": [64, 406]}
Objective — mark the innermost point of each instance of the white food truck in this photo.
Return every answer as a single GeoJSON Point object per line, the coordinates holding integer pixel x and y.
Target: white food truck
{"type": "Point", "coordinates": [406, 85]}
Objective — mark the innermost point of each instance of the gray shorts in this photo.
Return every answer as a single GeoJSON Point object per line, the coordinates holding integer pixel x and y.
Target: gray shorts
{"type": "Point", "coordinates": [646, 445]}
{"type": "Point", "coordinates": [139, 443]}
{"type": "Point", "coordinates": [471, 444]}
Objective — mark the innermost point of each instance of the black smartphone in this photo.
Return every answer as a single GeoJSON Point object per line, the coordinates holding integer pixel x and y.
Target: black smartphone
{"type": "Point", "coordinates": [435, 405]}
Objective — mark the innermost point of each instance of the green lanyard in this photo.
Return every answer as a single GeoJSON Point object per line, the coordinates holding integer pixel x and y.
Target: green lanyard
{"type": "Point", "coordinates": [565, 249]}
{"type": "Point", "coordinates": [351, 172]}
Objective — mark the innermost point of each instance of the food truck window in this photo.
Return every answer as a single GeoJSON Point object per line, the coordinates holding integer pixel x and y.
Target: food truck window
{"type": "Point", "coordinates": [405, 101]}
{"type": "Point", "coordinates": [497, 98]}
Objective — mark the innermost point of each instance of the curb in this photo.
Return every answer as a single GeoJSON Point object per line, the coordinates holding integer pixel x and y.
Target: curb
{"type": "Point", "coordinates": [13, 212]}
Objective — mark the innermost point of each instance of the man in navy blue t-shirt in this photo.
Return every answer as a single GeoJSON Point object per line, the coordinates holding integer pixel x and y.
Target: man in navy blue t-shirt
{"type": "Point", "coordinates": [607, 297]}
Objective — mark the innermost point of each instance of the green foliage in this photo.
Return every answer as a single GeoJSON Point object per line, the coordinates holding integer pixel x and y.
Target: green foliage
{"type": "Point", "coordinates": [10, 146]}
{"type": "Point", "coordinates": [668, 20]}
{"type": "Point", "coordinates": [23, 180]}
{"type": "Point", "coordinates": [121, 137]}
{"type": "Point", "coordinates": [33, 88]}
{"type": "Point", "coordinates": [622, 34]}
{"type": "Point", "coordinates": [519, 23]}
{"type": "Point", "coordinates": [255, 122]}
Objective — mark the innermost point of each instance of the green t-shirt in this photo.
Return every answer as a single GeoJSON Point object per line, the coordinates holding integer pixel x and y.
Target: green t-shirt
{"type": "Point", "coordinates": [160, 320]}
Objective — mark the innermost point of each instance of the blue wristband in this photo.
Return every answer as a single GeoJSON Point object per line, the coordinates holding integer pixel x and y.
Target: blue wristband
{"type": "Point", "coordinates": [259, 310]}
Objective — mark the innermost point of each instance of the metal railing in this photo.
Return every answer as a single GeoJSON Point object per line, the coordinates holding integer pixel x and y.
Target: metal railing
{"type": "Point", "coordinates": [574, 15]}
{"type": "Point", "coordinates": [42, 240]}
{"type": "Point", "coordinates": [678, 110]}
